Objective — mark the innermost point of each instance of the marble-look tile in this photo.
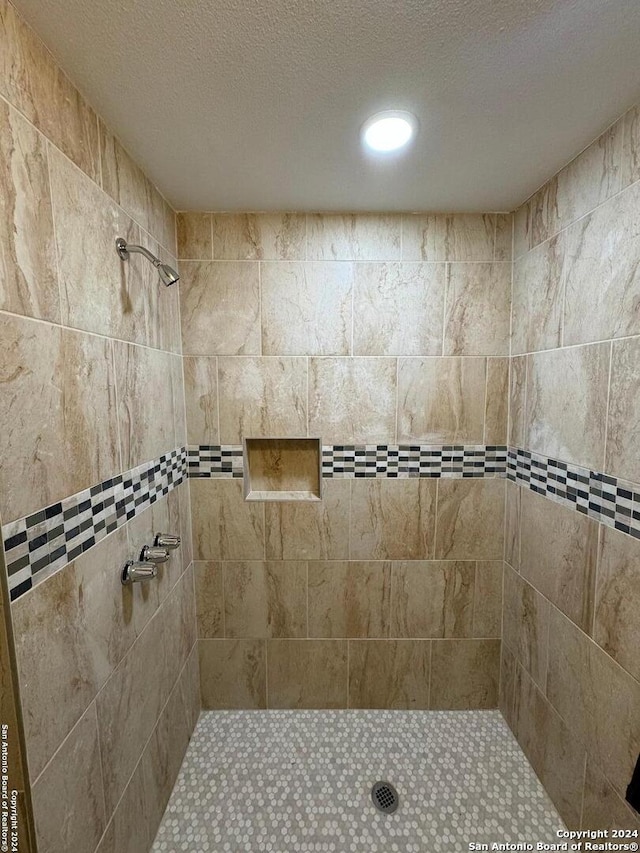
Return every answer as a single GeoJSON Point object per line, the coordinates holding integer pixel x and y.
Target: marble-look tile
{"type": "Point", "coordinates": [478, 309]}
{"type": "Point", "coordinates": [558, 554]}
{"type": "Point", "coordinates": [201, 399]}
{"type": "Point", "coordinates": [597, 697]}
{"type": "Point", "coordinates": [163, 304]}
{"type": "Point", "coordinates": [566, 401]}
{"type": "Point", "coordinates": [98, 291]}
{"type": "Point", "coordinates": [432, 599]}
{"type": "Point", "coordinates": [513, 511]}
{"type": "Point", "coordinates": [470, 520]}
{"type": "Point", "coordinates": [441, 400]}
{"type": "Point", "coordinates": [38, 88]}
{"type": "Point", "coordinates": [307, 673]}
{"type": "Point", "coordinates": [262, 397]}
{"type": "Point", "coordinates": [68, 801]}
{"type": "Point", "coordinates": [623, 425]}
{"type": "Point", "coordinates": [392, 519]}
{"type": "Point", "coordinates": [353, 237]}
{"type": "Point", "coordinates": [259, 236]}
{"type": "Point", "coordinates": [144, 382]}
{"type": "Point", "coordinates": [349, 599]}
{"type": "Point", "coordinates": [390, 674]}
{"type": "Point", "coordinates": [306, 308]}
{"type": "Point", "coordinates": [487, 600]}
{"type": "Point", "coordinates": [538, 297]}
{"type": "Point", "coordinates": [129, 829]}
{"type": "Point", "coordinates": [194, 236]}
{"type": "Point", "coordinates": [397, 309]}
{"type": "Point", "coordinates": [506, 698]}
{"type": "Point", "coordinates": [448, 237]}
{"type": "Point", "coordinates": [79, 624]}
{"type": "Point", "coordinates": [504, 237]}
{"type": "Point", "coordinates": [352, 400]}
{"type": "Point", "coordinates": [603, 271]}
{"type": "Point", "coordinates": [220, 307]}
{"type": "Point", "coordinates": [617, 608]}
{"type": "Point", "coordinates": [28, 278]}
{"type": "Point", "coordinates": [123, 179]}
{"type": "Point", "coordinates": [209, 599]}
{"type": "Point", "coordinates": [521, 233]}
{"type": "Point", "coordinates": [310, 531]}
{"type": "Point", "coordinates": [178, 400]}
{"type": "Point", "coordinates": [265, 599]}
{"type": "Point", "coordinates": [517, 400]}
{"type": "Point", "coordinates": [232, 674]}
{"type": "Point", "coordinates": [464, 674]}
{"type": "Point", "coordinates": [630, 168]}
{"type": "Point", "coordinates": [543, 218]}
{"type": "Point", "coordinates": [496, 405]}
{"type": "Point", "coordinates": [62, 437]}
{"type": "Point", "coordinates": [552, 748]}
{"type": "Point", "coordinates": [225, 526]}
{"type": "Point", "coordinates": [525, 625]}
{"type": "Point", "coordinates": [602, 807]}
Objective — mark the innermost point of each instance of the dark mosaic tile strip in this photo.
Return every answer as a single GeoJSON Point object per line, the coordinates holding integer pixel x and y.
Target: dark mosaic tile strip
{"type": "Point", "coordinates": [607, 499]}
{"type": "Point", "coordinates": [42, 543]}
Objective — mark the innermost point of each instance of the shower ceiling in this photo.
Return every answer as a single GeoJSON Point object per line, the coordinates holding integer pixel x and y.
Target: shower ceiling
{"type": "Point", "coordinates": [258, 104]}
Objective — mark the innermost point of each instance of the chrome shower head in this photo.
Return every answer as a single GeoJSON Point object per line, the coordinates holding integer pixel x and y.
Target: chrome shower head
{"type": "Point", "coordinates": [168, 275]}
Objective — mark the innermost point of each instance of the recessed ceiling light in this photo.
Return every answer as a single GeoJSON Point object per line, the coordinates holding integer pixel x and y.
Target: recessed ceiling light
{"type": "Point", "coordinates": [389, 131]}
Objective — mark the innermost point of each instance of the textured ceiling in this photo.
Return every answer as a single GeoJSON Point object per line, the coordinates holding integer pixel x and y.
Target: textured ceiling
{"type": "Point", "coordinates": [257, 104]}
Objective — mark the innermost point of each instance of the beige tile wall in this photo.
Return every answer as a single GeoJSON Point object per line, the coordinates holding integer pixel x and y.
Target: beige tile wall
{"type": "Point", "coordinates": [91, 384]}
{"type": "Point", "coordinates": [570, 681]}
{"type": "Point", "coordinates": [363, 328]}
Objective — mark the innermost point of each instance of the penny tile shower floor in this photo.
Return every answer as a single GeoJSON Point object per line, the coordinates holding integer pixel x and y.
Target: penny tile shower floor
{"type": "Point", "coordinates": [285, 781]}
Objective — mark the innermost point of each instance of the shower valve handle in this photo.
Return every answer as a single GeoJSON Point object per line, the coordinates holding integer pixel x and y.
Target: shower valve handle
{"type": "Point", "coordinates": [136, 572]}
{"type": "Point", "coordinates": [167, 540]}
{"type": "Point", "coordinates": [151, 554]}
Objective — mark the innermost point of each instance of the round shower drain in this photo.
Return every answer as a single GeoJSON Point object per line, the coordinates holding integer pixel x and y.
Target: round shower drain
{"type": "Point", "coordinates": [385, 797]}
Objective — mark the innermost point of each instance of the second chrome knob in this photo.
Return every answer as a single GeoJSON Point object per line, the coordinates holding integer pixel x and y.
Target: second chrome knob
{"type": "Point", "coordinates": [167, 540]}
{"type": "Point", "coordinates": [152, 554]}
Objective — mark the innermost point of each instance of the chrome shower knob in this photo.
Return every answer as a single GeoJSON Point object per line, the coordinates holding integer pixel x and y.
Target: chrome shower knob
{"type": "Point", "coordinates": [151, 554]}
{"type": "Point", "coordinates": [167, 540]}
{"type": "Point", "coordinates": [136, 572]}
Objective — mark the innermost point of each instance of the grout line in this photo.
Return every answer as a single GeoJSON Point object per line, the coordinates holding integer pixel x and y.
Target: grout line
{"type": "Point", "coordinates": [55, 234]}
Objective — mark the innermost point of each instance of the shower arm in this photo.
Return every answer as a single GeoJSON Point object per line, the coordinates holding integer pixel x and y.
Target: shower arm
{"type": "Point", "coordinates": [125, 249]}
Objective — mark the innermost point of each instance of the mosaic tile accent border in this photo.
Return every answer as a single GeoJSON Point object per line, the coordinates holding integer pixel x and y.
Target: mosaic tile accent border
{"type": "Point", "coordinates": [606, 499]}
{"type": "Point", "coordinates": [44, 542]}
{"type": "Point", "coordinates": [368, 460]}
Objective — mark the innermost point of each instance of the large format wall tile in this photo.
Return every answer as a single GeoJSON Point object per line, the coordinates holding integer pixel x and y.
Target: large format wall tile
{"type": "Point", "coordinates": [517, 402]}
{"type": "Point", "coordinates": [448, 237]}
{"type": "Point", "coordinates": [70, 377]}
{"type": "Point", "coordinates": [352, 400]}
{"type": "Point", "coordinates": [470, 520]}
{"type": "Point", "coordinates": [259, 236]}
{"type": "Point", "coordinates": [496, 406]}
{"type": "Point", "coordinates": [441, 400]}
{"type": "Point", "coordinates": [220, 308]}
{"type": "Point", "coordinates": [225, 526]}
{"type": "Point", "coordinates": [201, 399]}
{"type": "Point", "coordinates": [397, 309]}
{"type": "Point", "coordinates": [353, 237]}
{"type": "Point", "coordinates": [262, 397]}
{"type": "Point", "coordinates": [307, 673]}
{"type": "Point", "coordinates": [432, 599]}
{"type": "Point", "coordinates": [349, 599]}
{"type": "Point", "coordinates": [232, 674]}
{"type": "Point", "coordinates": [558, 554]}
{"type": "Point", "coordinates": [617, 610]}
{"type": "Point", "coordinates": [596, 697]}
{"type": "Point", "coordinates": [602, 807]}
{"type": "Point", "coordinates": [265, 599]}
{"type": "Point", "coordinates": [464, 674]}
{"type": "Point", "coordinates": [68, 800]}
{"type": "Point", "coordinates": [306, 308]}
{"type": "Point", "coordinates": [310, 531]}
{"type": "Point", "coordinates": [194, 236]}
{"type": "Point", "coordinates": [566, 404]}
{"type": "Point", "coordinates": [389, 674]}
{"type": "Point", "coordinates": [392, 519]}
{"type": "Point", "coordinates": [623, 426]}
{"type": "Point", "coordinates": [487, 600]}
{"type": "Point", "coordinates": [31, 81]}
{"type": "Point", "coordinates": [125, 182]}
{"type": "Point", "coordinates": [28, 279]}
{"type": "Point", "coordinates": [478, 309]}
{"type": "Point", "coordinates": [525, 626]}
{"type": "Point", "coordinates": [603, 273]}
{"type": "Point", "coordinates": [538, 297]}
{"type": "Point", "coordinates": [630, 171]}
{"type": "Point", "coordinates": [209, 590]}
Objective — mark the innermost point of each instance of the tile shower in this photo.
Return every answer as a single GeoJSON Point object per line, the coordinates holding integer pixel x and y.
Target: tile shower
{"type": "Point", "coordinates": [473, 379]}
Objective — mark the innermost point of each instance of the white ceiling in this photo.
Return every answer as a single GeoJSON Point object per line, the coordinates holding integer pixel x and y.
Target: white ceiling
{"type": "Point", "coordinates": [257, 104]}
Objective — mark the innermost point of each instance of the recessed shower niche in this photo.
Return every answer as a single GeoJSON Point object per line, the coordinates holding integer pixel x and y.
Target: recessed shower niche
{"type": "Point", "coordinates": [282, 469]}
